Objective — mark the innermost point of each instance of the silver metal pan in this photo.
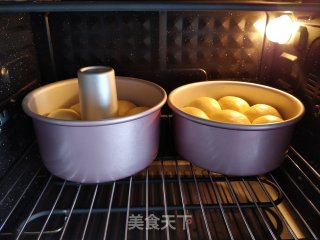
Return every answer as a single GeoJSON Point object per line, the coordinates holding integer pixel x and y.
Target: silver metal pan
{"type": "Point", "coordinates": [234, 149]}
{"type": "Point", "coordinates": [96, 151]}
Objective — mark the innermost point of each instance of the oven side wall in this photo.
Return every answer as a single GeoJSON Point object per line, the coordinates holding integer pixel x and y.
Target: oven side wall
{"type": "Point", "coordinates": [18, 75]}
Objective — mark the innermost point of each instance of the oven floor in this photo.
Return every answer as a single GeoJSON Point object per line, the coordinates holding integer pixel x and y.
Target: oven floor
{"type": "Point", "coordinates": [171, 199]}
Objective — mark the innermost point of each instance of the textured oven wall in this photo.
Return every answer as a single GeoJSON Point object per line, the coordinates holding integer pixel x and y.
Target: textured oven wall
{"type": "Point", "coordinates": [18, 74]}
{"type": "Point", "coordinates": [158, 45]}
{"type": "Point", "coordinates": [225, 44]}
{"type": "Point", "coordinates": [125, 41]}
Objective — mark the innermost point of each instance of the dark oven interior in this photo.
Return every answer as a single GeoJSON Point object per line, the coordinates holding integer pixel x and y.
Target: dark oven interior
{"type": "Point", "coordinates": [170, 43]}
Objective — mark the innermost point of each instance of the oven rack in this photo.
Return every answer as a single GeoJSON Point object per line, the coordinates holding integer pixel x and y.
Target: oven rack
{"type": "Point", "coordinates": [194, 203]}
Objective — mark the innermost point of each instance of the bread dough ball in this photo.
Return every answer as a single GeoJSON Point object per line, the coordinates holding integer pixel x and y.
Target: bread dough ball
{"type": "Point", "coordinates": [234, 103]}
{"type": "Point", "coordinates": [124, 107]}
{"type": "Point", "coordinates": [230, 116]}
{"type": "Point", "coordinates": [267, 119]}
{"type": "Point", "coordinates": [136, 110]}
{"type": "Point", "coordinates": [64, 114]}
{"type": "Point", "coordinates": [207, 104]}
{"type": "Point", "coordinates": [76, 107]}
{"type": "Point", "coordinates": [259, 110]}
{"type": "Point", "coordinates": [195, 112]}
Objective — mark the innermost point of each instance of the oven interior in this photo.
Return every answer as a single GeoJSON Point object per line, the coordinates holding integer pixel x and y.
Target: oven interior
{"type": "Point", "coordinates": [171, 44]}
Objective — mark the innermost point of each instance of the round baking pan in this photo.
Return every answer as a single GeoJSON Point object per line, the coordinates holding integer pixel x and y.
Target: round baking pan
{"type": "Point", "coordinates": [96, 151]}
{"type": "Point", "coordinates": [233, 149]}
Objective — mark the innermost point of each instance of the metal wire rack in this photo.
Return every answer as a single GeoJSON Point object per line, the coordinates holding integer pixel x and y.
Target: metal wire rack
{"type": "Point", "coordinates": [171, 199]}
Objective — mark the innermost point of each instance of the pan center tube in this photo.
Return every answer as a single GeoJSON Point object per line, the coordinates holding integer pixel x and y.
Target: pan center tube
{"type": "Point", "coordinates": [97, 93]}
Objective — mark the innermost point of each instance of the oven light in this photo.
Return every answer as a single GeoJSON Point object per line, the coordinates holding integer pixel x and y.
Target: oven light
{"type": "Point", "coordinates": [280, 29]}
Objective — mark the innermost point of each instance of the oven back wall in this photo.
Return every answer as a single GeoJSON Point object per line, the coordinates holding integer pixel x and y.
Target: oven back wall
{"type": "Point", "coordinates": [150, 44]}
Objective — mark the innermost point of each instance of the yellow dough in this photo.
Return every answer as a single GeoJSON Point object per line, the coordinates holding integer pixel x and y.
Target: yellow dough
{"type": "Point", "coordinates": [233, 103]}
{"type": "Point", "coordinates": [267, 119]}
{"type": "Point", "coordinates": [124, 107]}
{"type": "Point", "coordinates": [232, 109]}
{"type": "Point", "coordinates": [230, 116]}
{"type": "Point", "coordinates": [195, 112]}
{"type": "Point", "coordinates": [136, 110]}
{"type": "Point", "coordinates": [64, 114]}
{"type": "Point", "coordinates": [207, 104]}
{"type": "Point", "coordinates": [259, 110]}
{"type": "Point", "coordinates": [76, 107]}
